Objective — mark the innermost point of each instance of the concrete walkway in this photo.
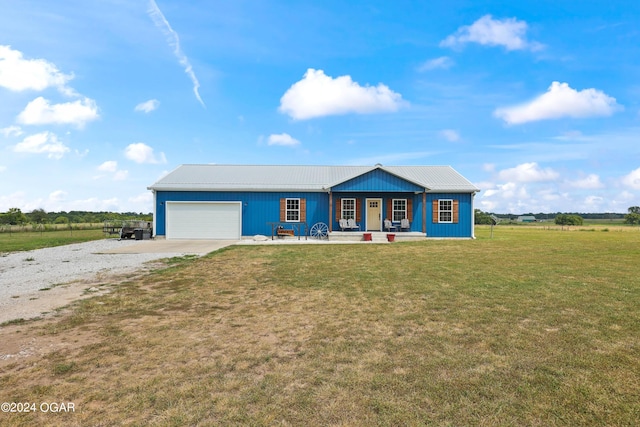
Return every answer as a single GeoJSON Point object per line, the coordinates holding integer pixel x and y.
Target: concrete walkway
{"type": "Point", "coordinates": [195, 247]}
{"type": "Point", "coordinates": [202, 247]}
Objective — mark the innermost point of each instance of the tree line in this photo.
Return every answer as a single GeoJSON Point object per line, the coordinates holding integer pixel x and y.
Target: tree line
{"type": "Point", "coordinates": [15, 216]}
{"type": "Point", "coordinates": [560, 218]}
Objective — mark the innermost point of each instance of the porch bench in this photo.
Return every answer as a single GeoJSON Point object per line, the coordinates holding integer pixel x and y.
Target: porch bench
{"type": "Point", "coordinates": [282, 232]}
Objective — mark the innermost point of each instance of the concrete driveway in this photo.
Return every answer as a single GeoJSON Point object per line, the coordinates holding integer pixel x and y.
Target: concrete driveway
{"type": "Point", "coordinates": [195, 247]}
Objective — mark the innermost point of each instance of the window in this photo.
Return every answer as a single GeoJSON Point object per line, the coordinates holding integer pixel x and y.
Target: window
{"type": "Point", "coordinates": [348, 208]}
{"type": "Point", "coordinates": [292, 210]}
{"type": "Point", "coordinates": [445, 210]}
{"type": "Point", "coordinates": [399, 210]}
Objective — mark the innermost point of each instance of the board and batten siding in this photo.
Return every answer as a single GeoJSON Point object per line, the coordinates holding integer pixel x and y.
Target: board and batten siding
{"type": "Point", "coordinates": [414, 206]}
{"type": "Point", "coordinates": [377, 181]}
{"type": "Point", "coordinates": [258, 208]}
{"type": "Point", "coordinates": [463, 207]}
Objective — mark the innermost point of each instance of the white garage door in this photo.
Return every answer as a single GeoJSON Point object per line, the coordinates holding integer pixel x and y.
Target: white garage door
{"type": "Point", "coordinates": [204, 220]}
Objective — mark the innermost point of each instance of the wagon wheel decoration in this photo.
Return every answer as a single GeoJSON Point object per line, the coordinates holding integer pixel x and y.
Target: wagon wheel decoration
{"type": "Point", "coordinates": [319, 230]}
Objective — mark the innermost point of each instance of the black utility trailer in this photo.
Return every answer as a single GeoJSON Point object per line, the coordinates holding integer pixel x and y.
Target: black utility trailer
{"type": "Point", "coordinates": [130, 229]}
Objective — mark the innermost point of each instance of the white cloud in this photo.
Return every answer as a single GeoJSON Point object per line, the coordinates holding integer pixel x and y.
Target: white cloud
{"type": "Point", "coordinates": [632, 179]}
{"type": "Point", "coordinates": [111, 166]}
{"type": "Point", "coordinates": [142, 153]}
{"type": "Point", "coordinates": [43, 142]}
{"type": "Point", "coordinates": [61, 200]}
{"type": "Point", "coordinates": [528, 172]}
{"type": "Point", "coordinates": [58, 196]}
{"type": "Point", "coordinates": [108, 166]}
{"type": "Point", "coordinates": [282, 139]}
{"type": "Point", "coordinates": [487, 31]}
{"type": "Point", "coordinates": [18, 74]}
{"type": "Point", "coordinates": [120, 175]}
{"type": "Point", "coordinates": [592, 204]}
{"type": "Point", "coordinates": [450, 135]}
{"type": "Point", "coordinates": [318, 95]}
{"type": "Point", "coordinates": [512, 190]}
{"type": "Point", "coordinates": [11, 131]}
{"type": "Point", "coordinates": [488, 167]}
{"type": "Point", "coordinates": [174, 41]}
{"type": "Point", "coordinates": [590, 182]}
{"type": "Point", "coordinates": [148, 106]}
{"type": "Point", "coordinates": [91, 204]}
{"type": "Point", "coordinates": [559, 101]}
{"type": "Point", "coordinates": [443, 62]}
{"type": "Point", "coordinates": [40, 112]}
{"type": "Point", "coordinates": [145, 198]}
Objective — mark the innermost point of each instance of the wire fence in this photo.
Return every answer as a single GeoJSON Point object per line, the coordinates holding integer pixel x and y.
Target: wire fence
{"type": "Point", "coordinates": [41, 228]}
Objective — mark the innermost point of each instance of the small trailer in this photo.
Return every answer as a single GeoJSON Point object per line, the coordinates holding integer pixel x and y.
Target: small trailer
{"type": "Point", "coordinates": [129, 229]}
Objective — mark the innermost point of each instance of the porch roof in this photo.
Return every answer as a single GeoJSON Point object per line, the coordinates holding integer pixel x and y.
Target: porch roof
{"type": "Point", "coordinates": [194, 177]}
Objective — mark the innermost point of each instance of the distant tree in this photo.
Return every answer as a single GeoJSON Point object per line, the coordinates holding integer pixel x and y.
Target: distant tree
{"type": "Point", "coordinates": [482, 217]}
{"type": "Point", "coordinates": [633, 217]}
{"type": "Point", "coordinates": [568, 219]}
{"type": "Point", "coordinates": [91, 218]}
{"type": "Point", "coordinates": [61, 220]}
{"type": "Point", "coordinates": [13, 216]}
{"type": "Point", "coordinates": [38, 216]}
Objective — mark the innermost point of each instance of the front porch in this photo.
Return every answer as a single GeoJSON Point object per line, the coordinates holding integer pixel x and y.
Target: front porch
{"type": "Point", "coordinates": [376, 236]}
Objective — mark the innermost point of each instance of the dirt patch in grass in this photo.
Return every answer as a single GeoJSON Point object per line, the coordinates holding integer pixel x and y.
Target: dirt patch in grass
{"type": "Point", "coordinates": [434, 333]}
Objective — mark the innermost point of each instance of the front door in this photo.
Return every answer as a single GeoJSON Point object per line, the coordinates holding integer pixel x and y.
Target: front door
{"type": "Point", "coordinates": [374, 214]}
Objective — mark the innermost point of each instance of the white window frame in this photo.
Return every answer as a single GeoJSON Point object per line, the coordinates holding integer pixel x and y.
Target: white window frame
{"type": "Point", "coordinates": [295, 212]}
{"type": "Point", "coordinates": [350, 210]}
{"type": "Point", "coordinates": [394, 210]}
{"type": "Point", "coordinates": [442, 211]}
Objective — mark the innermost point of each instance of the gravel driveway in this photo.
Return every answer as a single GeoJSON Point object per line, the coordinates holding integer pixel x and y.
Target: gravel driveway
{"type": "Point", "coordinates": [24, 274]}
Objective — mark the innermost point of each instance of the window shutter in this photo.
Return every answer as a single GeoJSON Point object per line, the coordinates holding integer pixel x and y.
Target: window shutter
{"type": "Point", "coordinates": [456, 209]}
{"type": "Point", "coordinates": [410, 210]}
{"type": "Point", "coordinates": [389, 213]}
{"type": "Point", "coordinates": [358, 210]}
{"type": "Point", "coordinates": [434, 209]}
{"type": "Point", "coordinates": [303, 210]}
{"type": "Point", "coordinates": [338, 209]}
{"type": "Point", "coordinates": [283, 210]}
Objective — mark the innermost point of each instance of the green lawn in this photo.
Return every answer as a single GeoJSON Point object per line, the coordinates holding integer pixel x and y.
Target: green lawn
{"type": "Point", "coordinates": [29, 240]}
{"type": "Point", "coordinates": [534, 327]}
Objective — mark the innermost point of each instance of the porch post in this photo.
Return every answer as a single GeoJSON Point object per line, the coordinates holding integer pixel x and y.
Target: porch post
{"type": "Point", "coordinates": [330, 210]}
{"type": "Point", "coordinates": [424, 212]}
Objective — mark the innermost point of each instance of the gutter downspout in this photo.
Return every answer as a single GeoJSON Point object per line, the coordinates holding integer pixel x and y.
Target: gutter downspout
{"type": "Point", "coordinates": [473, 216]}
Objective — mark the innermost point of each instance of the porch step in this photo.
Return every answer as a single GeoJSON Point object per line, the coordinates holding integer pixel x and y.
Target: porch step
{"type": "Point", "coordinates": [379, 237]}
{"type": "Point", "coordinates": [376, 236]}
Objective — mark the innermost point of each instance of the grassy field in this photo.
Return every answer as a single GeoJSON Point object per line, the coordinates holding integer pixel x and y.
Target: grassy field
{"type": "Point", "coordinates": [534, 327]}
{"type": "Point", "coordinates": [29, 240]}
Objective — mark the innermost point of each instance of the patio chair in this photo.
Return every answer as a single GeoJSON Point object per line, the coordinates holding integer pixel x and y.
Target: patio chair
{"type": "Point", "coordinates": [388, 225]}
{"type": "Point", "coordinates": [404, 224]}
{"type": "Point", "coordinates": [343, 224]}
{"type": "Point", "coordinates": [351, 224]}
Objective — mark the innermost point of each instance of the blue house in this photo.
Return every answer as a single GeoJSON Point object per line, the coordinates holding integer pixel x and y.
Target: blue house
{"type": "Point", "coordinates": [231, 201]}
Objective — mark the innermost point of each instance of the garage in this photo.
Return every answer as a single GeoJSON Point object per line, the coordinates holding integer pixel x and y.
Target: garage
{"type": "Point", "coordinates": [204, 220]}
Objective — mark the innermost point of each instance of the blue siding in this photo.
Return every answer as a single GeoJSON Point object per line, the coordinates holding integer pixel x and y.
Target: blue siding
{"type": "Point", "coordinates": [465, 220]}
{"type": "Point", "coordinates": [257, 208]}
{"type": "Point", "coordinates": [377, 181]}
{"type": "Point", "coordinates": [416, 222]}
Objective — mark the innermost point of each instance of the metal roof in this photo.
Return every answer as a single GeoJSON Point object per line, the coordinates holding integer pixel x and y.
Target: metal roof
{"type": "Point", "coordinates": [301, 178]}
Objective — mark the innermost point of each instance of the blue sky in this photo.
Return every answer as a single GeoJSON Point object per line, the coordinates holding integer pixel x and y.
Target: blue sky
{"type": "Point", "coordinates": [535, 102]}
